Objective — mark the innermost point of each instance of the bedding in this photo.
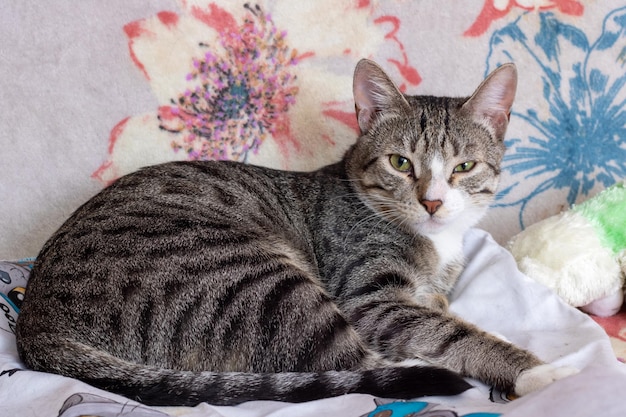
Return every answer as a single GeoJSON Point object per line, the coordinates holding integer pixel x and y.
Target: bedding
{"type": "Point", "coordinates": [491, 293]}
{"type": "Point", "coordinates": [92, 91]}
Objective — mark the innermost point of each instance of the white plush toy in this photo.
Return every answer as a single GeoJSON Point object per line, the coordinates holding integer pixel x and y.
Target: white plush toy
{"type": "Point", "coordinates": [580, 253]}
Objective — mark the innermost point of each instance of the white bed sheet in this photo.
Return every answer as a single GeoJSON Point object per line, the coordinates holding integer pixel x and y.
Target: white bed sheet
{"type": "Point", "coordinates": [491, 293]}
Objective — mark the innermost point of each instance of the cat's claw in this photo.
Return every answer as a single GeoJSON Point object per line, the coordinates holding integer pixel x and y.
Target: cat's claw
{"type": "Point", "coordinates": [536, 378]}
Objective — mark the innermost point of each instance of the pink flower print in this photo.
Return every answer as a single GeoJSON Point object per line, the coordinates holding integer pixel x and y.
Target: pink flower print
{"type": "Point", "coordinates": [263, 84]}
{"type": "Point", "coordinates": [239, 99]}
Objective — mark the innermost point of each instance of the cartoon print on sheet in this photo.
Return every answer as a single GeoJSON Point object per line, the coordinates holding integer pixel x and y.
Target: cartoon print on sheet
{"type": "Point", "coordinates": [576, 139]}
{"type": "Point", "coordinates": [13, 279]}
{"type": "Point", "coordinates": [390, 408]}
{"type": "Point", "coordinates": [86, 404]}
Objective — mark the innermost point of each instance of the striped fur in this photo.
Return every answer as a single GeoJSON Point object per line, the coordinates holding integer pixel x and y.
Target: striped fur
{"type": "Point", "coordinates": [223, 282]}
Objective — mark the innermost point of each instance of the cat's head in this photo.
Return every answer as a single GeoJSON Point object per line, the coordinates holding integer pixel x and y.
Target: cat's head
{"type": "Point", "coordinates": [429, 163]}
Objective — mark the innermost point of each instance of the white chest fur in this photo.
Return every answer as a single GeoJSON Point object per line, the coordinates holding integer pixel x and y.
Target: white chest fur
{"type": "Point", "coordinates": [449, 245]}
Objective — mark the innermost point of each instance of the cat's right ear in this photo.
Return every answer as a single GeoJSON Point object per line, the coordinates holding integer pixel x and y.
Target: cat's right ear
{"type": "Point", "coordinates": [491, 103]}
{"type": "Point", "coordinates": [375, 95]}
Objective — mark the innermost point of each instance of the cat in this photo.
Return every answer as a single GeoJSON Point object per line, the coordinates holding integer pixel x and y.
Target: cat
{"type": "Point", "coordinates": [224, 282]}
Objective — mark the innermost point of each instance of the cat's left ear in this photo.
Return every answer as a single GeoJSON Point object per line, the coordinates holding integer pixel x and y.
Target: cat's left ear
{"type": "Point", "coordinates": [375, 95]}
{"type": "Point", "coordinates": [491, 102]}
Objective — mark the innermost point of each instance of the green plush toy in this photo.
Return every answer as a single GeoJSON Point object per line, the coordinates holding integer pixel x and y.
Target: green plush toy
{"type": "Point", "coordinates": [580, 253]}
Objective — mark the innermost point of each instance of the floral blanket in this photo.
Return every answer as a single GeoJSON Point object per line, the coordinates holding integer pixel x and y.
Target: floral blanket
{"type": "Point", "coordinates": [93, 90]}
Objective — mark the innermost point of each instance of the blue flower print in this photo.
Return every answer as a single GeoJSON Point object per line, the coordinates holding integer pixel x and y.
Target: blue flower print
{"type": "Point", "coordinates": [575, 136]}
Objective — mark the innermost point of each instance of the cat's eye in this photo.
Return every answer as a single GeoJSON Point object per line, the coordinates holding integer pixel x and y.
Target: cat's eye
{"type": "Point", "coordinates": [464, 167]}
{"type": "Point", "coordinates": [400, 163]}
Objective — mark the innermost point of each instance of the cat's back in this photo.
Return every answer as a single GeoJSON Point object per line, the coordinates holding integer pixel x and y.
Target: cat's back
{"type": "Point", "coordinates": [176, 200]}
{"type": "Point", "coordinates": [180, 208]}
{"type": "Point", "coordinates": [160, 243]}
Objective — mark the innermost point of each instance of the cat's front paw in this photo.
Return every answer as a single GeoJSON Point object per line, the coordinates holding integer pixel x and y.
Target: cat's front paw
{"type": "Point", "coordinates": [534, 379]}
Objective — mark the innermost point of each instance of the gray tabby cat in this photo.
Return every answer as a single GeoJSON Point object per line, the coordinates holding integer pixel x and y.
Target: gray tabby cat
{"type": "Point", "coordinates": [222, 282]}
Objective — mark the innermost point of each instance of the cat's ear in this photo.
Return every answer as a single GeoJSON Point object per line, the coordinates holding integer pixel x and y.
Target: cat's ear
{"type": "Point", "coordinates": [491, 102]}
{"type": "Point", "coordinates": [375, 95]}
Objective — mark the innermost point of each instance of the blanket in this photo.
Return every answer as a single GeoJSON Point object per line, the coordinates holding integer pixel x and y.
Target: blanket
{"type": "Point", "coordinates": [491, 292]}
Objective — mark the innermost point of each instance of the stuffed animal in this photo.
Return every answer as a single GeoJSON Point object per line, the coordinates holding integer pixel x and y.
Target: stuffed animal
{"type": "Point", "coordinates": [580, 253]}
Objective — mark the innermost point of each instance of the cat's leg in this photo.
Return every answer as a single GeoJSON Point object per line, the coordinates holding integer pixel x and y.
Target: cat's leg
{"type": "Point", "coordinates": [400, 330]}
{"type": "Point", "coordinates": [432, 300]}
{"type": "Point", "coordinates": [275, 316]}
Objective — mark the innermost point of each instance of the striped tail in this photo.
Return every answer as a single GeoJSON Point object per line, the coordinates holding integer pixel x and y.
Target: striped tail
{"type": "Point", "coordinates": [156, 386]}
{"type": "Point", "coordinates": [188, 388]}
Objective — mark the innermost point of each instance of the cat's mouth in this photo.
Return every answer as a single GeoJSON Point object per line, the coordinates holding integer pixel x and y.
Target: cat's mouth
{"type": "Point", "coordinates": [431, 224]}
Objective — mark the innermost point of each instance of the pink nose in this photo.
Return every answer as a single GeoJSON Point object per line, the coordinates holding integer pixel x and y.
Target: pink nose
{"type": "Point", "coordinates": [431, 206]}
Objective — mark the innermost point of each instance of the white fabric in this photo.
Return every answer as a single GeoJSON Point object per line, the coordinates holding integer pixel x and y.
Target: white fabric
{"type": "Point", "coordinates": [491, 293]}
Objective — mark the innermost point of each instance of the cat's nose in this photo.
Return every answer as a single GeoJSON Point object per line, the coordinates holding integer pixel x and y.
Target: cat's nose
{"type": "Point", "coordinates": [431, 206]}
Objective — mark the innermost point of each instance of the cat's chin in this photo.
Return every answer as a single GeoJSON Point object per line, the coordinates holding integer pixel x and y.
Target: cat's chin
{"type": "Point", "coordinates": [456, 224]}
{"type": "Point", "coordinates": [431, 226]}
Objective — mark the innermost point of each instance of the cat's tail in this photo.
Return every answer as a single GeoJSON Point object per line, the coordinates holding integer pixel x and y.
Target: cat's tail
{"type": "Point", "coordinates": [187, 388]}
{"type": "Point", "coordinates": [156, 386]}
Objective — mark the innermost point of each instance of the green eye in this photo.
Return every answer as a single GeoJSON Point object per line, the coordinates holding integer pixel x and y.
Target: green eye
{"type": "Point", "coordinates": [400, 163]}
{"type": "Point", "coordinates": [464, 167]}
